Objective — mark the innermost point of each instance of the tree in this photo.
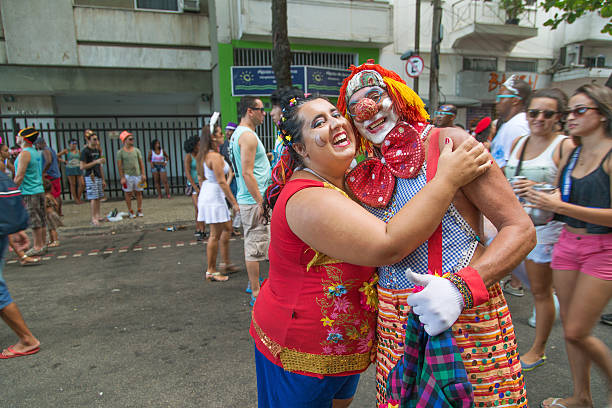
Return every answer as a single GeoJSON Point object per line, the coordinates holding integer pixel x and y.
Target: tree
{"type": "Point", "coordinates": [281, 54]}
{"type": "Point", "coordinates": [572, 9]}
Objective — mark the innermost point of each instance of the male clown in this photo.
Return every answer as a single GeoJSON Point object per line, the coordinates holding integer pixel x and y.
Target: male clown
{"type": "Point", "coordinates": [390, 119]}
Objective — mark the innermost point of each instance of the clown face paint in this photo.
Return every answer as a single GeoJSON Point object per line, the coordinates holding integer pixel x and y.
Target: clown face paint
{"type": "Point", "coordinates": [377, 126]}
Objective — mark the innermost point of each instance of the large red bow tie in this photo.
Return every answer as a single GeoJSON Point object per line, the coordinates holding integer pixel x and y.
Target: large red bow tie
{"type": "Point", "coordinates": [372, 182]}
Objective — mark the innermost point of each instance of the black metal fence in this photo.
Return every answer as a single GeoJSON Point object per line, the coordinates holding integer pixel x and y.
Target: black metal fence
{"type": "Point", "coordinates": [170, 130]}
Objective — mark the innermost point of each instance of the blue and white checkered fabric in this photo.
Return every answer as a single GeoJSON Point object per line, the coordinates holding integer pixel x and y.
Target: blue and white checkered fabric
{"type": "Point", "coordinates": [458, 242]}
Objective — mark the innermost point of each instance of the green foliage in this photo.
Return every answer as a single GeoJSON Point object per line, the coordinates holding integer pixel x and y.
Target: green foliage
{"type": "Point", "coordinates": [572, 9]}
{"type": "Point", "coordinates": [513, 7]}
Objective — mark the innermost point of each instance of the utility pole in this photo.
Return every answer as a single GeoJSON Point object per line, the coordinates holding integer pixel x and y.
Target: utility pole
{"type": "Point", "coordinates": [417, 40]}
{"type": "Point", "coordinates": [435, 56]}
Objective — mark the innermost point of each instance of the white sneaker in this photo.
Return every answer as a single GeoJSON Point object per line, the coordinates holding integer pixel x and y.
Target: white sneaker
{"type": "Point", "coordinates": [132, 215]}
{"type": "Point", "coordinates": [140, 214]}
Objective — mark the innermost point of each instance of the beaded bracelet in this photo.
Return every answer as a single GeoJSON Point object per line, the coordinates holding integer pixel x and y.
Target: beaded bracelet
{"type": "Point", "coordinates": [463, 288]}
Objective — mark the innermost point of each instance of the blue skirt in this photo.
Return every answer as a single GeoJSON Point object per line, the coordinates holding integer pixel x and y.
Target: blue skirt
{"type": "Point", "coordinates": [278, 388]}
{"type": "Point", "coordinates": [74, 171]}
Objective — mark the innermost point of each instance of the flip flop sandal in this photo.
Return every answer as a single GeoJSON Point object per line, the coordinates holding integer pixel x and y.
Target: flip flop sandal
{"type": "Point", "coordinates": [17, 353]}
{"type": "Point", "coordinates": [553, 403]}
{"type": "Point", "coordinates": [511, 290]}
{"type": "Point", "coordinates": [213, 277]}
{"type": "Point", "coordinates": [28, 261]}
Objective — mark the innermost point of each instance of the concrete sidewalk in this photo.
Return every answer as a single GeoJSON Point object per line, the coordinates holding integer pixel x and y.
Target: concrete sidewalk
{"type": "Point", "coordinates": [158, 213]}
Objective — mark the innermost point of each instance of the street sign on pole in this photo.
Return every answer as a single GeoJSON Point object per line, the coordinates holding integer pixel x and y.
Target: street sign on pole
{"type": "Point", "coordinates": [414, 66]}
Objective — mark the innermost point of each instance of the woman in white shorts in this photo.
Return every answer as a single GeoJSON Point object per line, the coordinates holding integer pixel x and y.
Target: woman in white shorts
{"type": "Point", "coordinates": [212, 207]}
{"type": "Point", "coordinates": [536, 156]}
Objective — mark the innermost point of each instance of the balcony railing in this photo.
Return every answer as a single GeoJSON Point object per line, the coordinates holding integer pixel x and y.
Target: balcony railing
{"type": "Point", "coordinates": [467, 12]}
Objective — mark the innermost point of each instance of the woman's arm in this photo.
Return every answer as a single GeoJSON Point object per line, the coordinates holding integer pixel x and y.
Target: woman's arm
{"type": "Point", "coordinates": [337, 226]}
{"type": "Point", "coordinates": [217, 163]}
{"type": "Point", "coordinates": [553, 202]}
{"type": "Point", "coordinates": [230, 175]}
{"type": "Point", "coordinates": [150, 158]}
{"type": "Point", "coordinates": [60, 154]}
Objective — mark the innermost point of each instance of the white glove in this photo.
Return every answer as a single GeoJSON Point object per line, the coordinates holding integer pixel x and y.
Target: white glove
{"type": "Point", "coordinates": [438, 305]}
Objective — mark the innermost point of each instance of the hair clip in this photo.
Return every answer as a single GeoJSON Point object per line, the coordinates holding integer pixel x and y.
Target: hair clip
{"type": "Point", "coordinates": [286, 138]}
{"type": "Point", "coordinates": [292, 101]}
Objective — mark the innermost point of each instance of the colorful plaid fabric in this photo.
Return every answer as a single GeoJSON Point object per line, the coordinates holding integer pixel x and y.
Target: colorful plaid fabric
{"type": "Point", "coordinates": [431, 372]}
{"type": "Point", "coordinates": [486, 340]}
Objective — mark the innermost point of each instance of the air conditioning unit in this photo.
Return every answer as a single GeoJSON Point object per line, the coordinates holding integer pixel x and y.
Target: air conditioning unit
{"type": "Point", "coordinates": [190, 5]}
{"type": "Point", "coordinates": [573, 54]}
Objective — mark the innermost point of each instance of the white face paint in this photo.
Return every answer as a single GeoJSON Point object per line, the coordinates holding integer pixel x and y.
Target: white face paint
{"type": "Point", "coordinates": [376, 128]}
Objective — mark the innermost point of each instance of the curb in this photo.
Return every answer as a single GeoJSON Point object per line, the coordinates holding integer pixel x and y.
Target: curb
{"type": "Point", "coordinates": [108, 227]}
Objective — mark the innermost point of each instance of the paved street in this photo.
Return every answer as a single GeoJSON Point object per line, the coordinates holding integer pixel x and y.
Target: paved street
{"type": "Point", "coordinates": [126, 320]}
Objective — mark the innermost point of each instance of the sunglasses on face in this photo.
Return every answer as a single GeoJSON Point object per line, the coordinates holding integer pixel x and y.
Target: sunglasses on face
{"type": "Point", "coordinates": [375, 95]}
{"type": "Point", "coordinates": [499, 98]}
{"type": "Point", "coordinates": [440, 113]}
{"type": "Point", "coordinates": [534, 113]}
{"type": "Point", "coordinates": [579, 111]}
{"type": "Point", "coordinates": [259, 109]}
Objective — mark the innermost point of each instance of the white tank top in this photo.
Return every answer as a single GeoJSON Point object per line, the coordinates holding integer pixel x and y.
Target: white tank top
{"type": "Point", "coordinates": [541, 169]}
{"type": "Point", "coordinates": [158, 158]}
{"type": "Point", "coordinates": [210, 175]}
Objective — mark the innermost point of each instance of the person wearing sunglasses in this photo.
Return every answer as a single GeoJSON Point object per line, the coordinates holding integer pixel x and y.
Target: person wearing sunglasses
{"type": "Point", "coordinates": [510, 107]}
{"type": "Point", "coordinates": [253, 175]}
{"type": "Point", "coordinates": [582, 259]}
{"type": "Point", "coordinates": [132, 172]}
{"type": "Point", "coordinates": [91, 162]}
{"type": "Point", "coordinates": [536, 156]}
{"type": "Point", "coordinates": [445, 116]}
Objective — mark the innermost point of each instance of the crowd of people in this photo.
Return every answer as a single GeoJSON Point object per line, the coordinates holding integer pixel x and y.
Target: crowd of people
{"type": "Point", "coordinates": [371, 217]}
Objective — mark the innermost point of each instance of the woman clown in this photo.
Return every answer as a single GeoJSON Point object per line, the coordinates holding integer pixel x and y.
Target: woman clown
{"type": "Point", "coordinates": [461, 292]}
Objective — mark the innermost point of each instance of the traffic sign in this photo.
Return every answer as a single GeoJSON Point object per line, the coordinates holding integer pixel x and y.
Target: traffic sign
{"type": "Point", "coordinates": [414, 66]}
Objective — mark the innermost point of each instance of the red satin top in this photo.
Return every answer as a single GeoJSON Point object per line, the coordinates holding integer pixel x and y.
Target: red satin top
{"type": "Point", "coordinates": [311, 319]}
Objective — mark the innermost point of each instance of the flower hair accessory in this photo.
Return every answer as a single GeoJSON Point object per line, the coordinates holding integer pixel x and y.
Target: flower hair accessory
{"type": "Point", "coordinates": [284, 136]}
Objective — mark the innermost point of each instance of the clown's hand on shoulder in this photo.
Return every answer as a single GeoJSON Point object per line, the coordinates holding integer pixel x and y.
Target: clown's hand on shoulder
{"type": "Point", "coordinates": [443, 298]}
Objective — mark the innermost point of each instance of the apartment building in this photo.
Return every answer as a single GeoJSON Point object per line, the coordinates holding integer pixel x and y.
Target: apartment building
{"type": "Point", "coordinates": [172, 57]}
{"type": "Point", "coordinates": [190, 57]}
{"type": "Point", "coordinates": [482, 45]}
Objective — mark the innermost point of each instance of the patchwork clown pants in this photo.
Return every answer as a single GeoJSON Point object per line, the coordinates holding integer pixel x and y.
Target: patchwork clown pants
{"type": "Point", "coordinates": [485, 337]}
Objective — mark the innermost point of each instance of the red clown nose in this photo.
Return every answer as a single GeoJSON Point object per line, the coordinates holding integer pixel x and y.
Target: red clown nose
{"type": "Point", "coordinates": [365, 109]}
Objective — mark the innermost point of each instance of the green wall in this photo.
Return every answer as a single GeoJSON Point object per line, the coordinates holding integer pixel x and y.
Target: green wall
{"type": "Point", "coordinates": [226, 61]}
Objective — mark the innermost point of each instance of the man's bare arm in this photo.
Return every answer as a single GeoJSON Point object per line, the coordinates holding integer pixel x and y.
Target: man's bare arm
{"type": "Point", "coordinates": [248, 148]}
{"type": "Point", "coordinates": [48, 158]}
{"type": "Point", "coordinates": [24, 160]}
{"type": "Point", "coordinates": [492, 195]}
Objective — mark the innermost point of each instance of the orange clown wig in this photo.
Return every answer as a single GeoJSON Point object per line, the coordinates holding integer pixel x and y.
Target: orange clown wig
{"type": "Point", "coordinates": [406, 103]}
